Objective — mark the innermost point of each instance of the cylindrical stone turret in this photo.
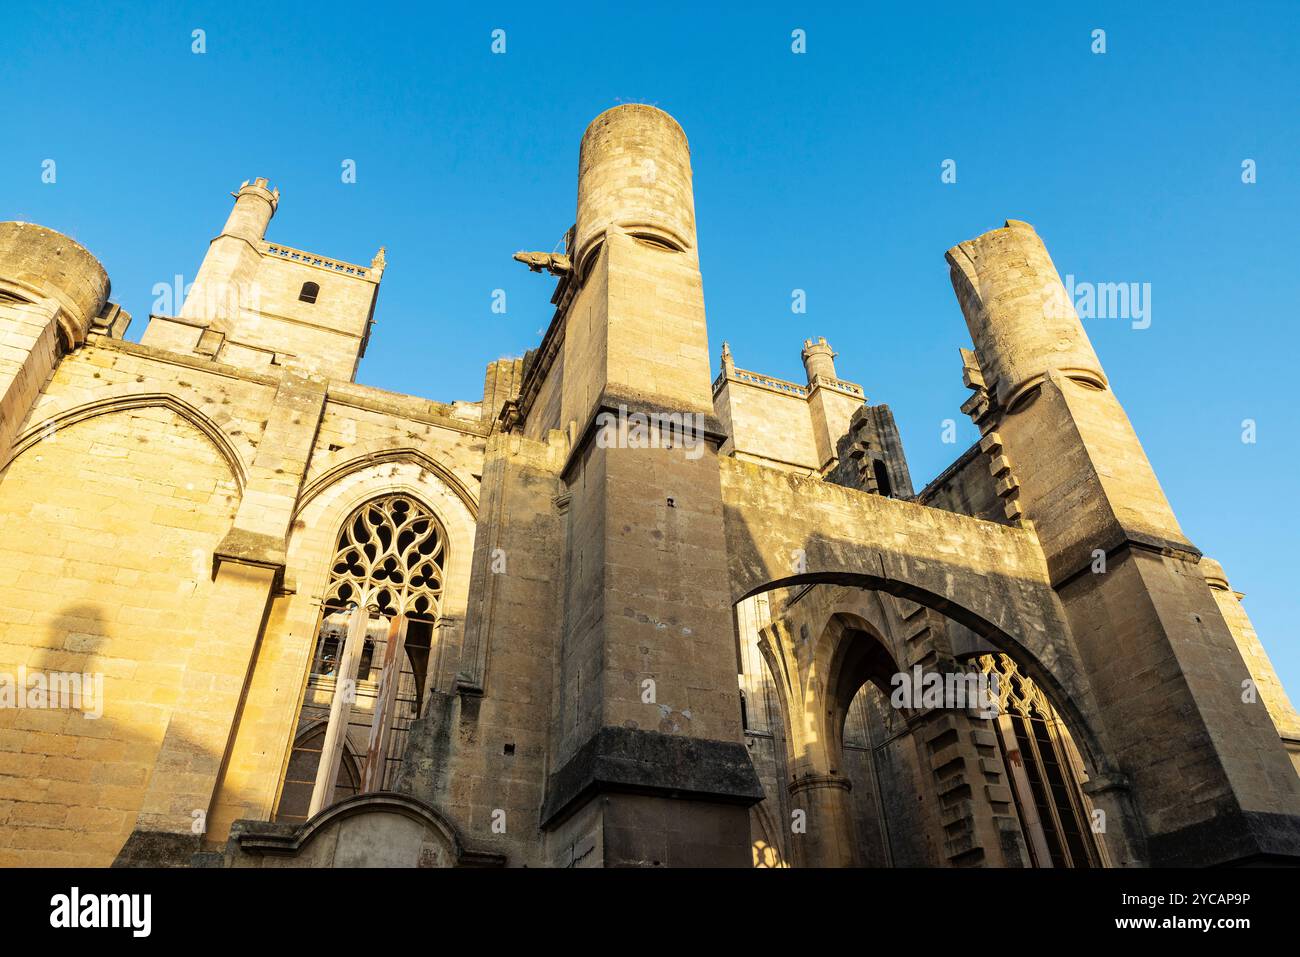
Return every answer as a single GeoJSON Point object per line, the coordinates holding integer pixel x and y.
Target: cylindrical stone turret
{"type": "Point", "coordinates": [38, 263]}
{"type": "Point", "coordinates": [818, 359]}
{"type": "Point", "coordinates": [255, 204]}
{"type": "Point", "coordinates": [634, 171]}
{"type": "Point", "coordinates": [227, 278]}
{"type": "Point", "coordinates": [1020, 318]}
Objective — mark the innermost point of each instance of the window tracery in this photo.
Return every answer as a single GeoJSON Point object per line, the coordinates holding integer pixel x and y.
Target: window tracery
{"type": "Point", "coordinates": [373, 645]}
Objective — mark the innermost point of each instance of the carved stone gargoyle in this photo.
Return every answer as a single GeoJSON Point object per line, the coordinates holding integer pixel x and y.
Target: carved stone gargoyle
{"type": "Point", "coordinates": [557, 264]}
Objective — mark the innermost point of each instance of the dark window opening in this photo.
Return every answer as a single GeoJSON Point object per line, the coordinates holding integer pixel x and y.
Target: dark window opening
{"type": "Point", "coordinates": [419, 642]}
{"type": "Point", "coordinates": [310, 291]}
{"type": "Point", "coordinates": [367, 659]}
{"type": "Point", "coordinates": [882, 478]}
{"type": "Point", "coordinates": [1060, 795]}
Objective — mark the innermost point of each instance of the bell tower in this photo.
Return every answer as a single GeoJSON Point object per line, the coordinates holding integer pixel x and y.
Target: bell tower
{"type": "Point", "coordinates": [258, 304]}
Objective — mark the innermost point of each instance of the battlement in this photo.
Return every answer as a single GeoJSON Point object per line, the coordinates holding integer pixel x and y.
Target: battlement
{"type": "Point", "coordinates": [772, 383]}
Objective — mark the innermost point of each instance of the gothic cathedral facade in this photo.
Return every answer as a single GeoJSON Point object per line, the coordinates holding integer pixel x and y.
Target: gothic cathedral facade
{"type": "Point", "coordinates": [616, 612]}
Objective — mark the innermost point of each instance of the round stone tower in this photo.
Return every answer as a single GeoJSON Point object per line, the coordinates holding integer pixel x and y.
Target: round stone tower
{"type": "Point", "coordinates": [255, 204]}
{"type": "Point", "coordinates": [634, 172]}
{"type": "Point", "coordinates": [38, 263]}
{"type": "Point", "coordinates": [1020, 317]}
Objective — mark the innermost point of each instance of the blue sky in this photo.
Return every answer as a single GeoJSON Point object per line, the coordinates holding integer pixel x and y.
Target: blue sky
{"type": "Point", "coordinates": [818, 171]}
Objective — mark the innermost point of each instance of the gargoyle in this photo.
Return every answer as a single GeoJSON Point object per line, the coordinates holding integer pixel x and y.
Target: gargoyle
{"type": "Point", "coordinates": [557, 264]}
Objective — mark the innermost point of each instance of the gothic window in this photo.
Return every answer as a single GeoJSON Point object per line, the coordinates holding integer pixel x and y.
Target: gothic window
{"type": "Point", "coordinates": [389, 558]}
{"type": "Point", "coordinates": [1045, 770]}
{"type": "Point", "coordinates": [310, 291]}
{"type": "Point", "coordinates": [372, 652]}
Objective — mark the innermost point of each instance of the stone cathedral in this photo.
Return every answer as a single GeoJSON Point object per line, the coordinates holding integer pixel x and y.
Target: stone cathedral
{"type": "Point", "coordinates": [616, 612]}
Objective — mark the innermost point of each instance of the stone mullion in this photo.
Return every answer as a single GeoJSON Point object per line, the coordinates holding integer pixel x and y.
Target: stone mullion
{"type": "Point", "coordinates": [1026, 712]}
{"type": "Point", "coordinates": [336, 730]}
{"type": "Point", "coordinates": [1030, 822]}
{"type": "Point", "coordinates": [372, 775]}
{"type": "Point", "coordinates": [1070, 768]}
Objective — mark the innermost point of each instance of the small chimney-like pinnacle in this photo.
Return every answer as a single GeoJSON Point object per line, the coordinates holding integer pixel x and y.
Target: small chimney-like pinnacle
{"type": "Point", "coordinates": [818, 359]}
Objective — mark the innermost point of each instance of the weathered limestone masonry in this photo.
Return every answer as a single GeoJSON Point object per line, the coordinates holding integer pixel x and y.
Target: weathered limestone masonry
{"type": "Point", "coordinates": [55, 292]}
{"type": "Point", "coordinates": [1210, 775]}
{"type": "Point", "coordinates": [1271, 692]}
{"type": "Point", "coordinates": [647, 764]}
{"type": "Point", "coordinates": [613, 613]}
{"type": "Point", "coordinates": [261, 304]}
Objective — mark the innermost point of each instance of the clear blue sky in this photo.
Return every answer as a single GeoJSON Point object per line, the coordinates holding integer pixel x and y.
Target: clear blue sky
{"type": "Point", "coordinates": [818, 171]}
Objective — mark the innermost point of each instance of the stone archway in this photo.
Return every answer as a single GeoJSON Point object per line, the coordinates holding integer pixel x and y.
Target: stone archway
{"type": "Point", "coordinates": [819, 680]}
{"type": "Point", "coordinates": [822, 647]}
{"type": "Point", "coordinates": [784, 530]}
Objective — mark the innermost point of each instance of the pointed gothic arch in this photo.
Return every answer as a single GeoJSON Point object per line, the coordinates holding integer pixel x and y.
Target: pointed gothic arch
{"type": "Point", "coordinates": [371, 656]}
{"type": "Point", "coordinates": [213, 432]}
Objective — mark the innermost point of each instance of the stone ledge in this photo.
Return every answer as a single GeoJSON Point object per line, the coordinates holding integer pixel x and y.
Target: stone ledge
{"type": "Point", "coordinates": [649, 762]}
{"type": "Point", "coordinates": [613, 400]}
{"type": "Point", "coordinates": [242, 547]}
{"type": "Point", "coordinates": [1231, 838]}
{"type": "Point", "coordinates": [1130, 542]}
{"type": "Point", "coordinates": [158, 849]}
